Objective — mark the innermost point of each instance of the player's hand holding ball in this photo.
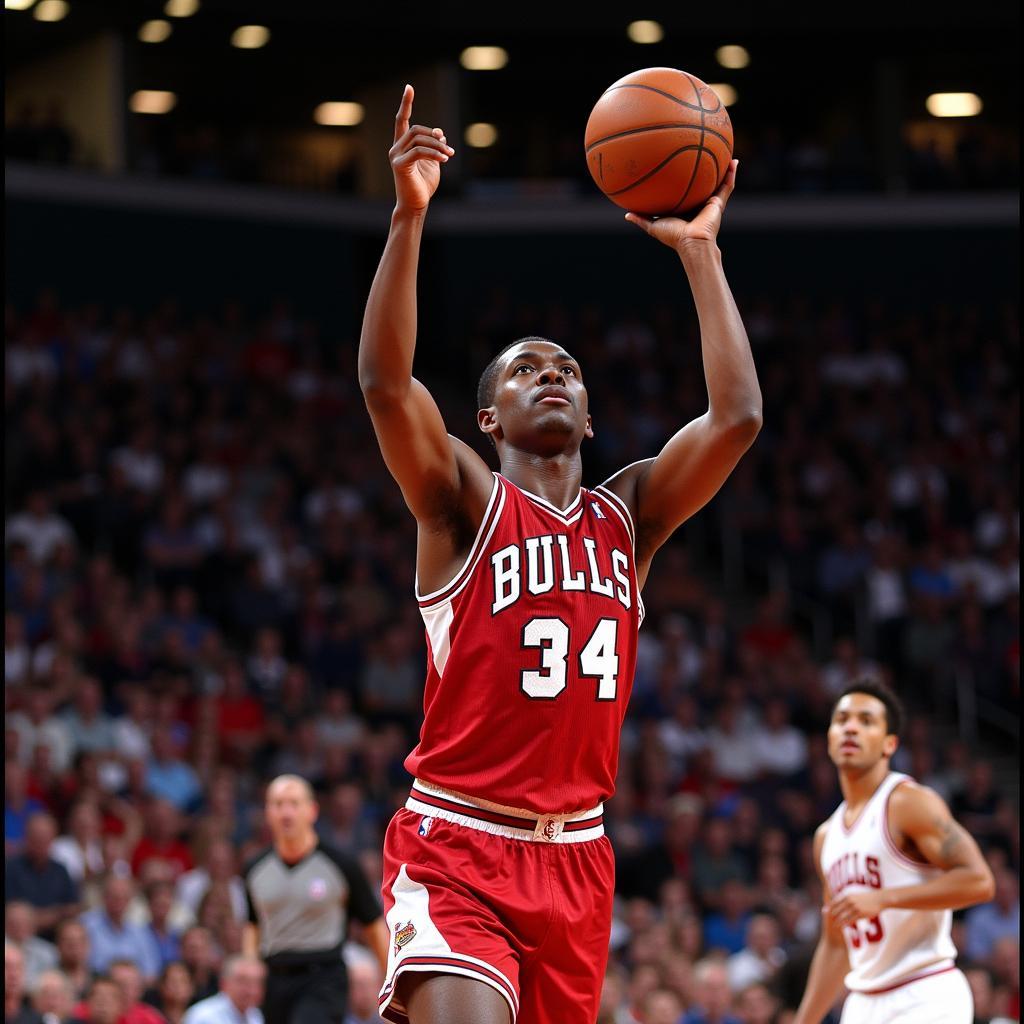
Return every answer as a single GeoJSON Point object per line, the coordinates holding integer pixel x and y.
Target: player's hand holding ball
{"type": "Point", "coordinates": [416, 158]}
{"type": "Point", "coordinates": [678, 233]}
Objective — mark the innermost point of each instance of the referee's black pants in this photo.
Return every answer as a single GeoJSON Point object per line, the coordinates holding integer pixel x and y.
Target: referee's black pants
{"type": "Point", "coordinates": [306, 994]}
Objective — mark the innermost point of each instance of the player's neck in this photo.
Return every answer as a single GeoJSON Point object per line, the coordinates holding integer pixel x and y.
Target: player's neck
{"type": "Point", "coordinates": [859, 785]}
{"type": "Point", "coordinates": [555, 478]}
{"type": "Point", "coordinates": [295, 849]}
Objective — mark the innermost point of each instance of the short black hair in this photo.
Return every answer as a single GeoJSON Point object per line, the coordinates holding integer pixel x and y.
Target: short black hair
{"type": "Point", "coordinates": [489, 378]}
{"type": "Point", "coordinates": [874, 687]}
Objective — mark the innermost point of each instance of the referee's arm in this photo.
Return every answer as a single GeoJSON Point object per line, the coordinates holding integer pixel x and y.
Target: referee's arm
{"type": "Point", "coordinates": [251, 929]}
{"type": "Point", "coordinates": [364, 907]}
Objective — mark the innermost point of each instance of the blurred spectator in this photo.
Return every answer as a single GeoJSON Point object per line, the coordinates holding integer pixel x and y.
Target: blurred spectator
{"type": "Point", "coordinates": [725, 929]}
{"type": "Point", "coordinates": [128, 978]}
{"type": "Point", "coordinates": [166, 937]}
{"type": "Point", "coordinates": [172, 994]}
{"type": "Point", "coordinates": [38, 955]}
{"type": "Point", "coordinates": [716, 862]}
{"type": "Point", "coordinates": [761, 955]}
{"type": "Point", "coordinates": [80, 850]}
{"type": "Point", "coordinates": [168, 776]}
{"type": "Point", "coordinates": [712, 998]}
{"type": "Point", "coordinates": [112, 938]}
{"type": "Point", "coordinates": [219, 866]}
{"type": "Point", "coordinates": [162, 840]}
{"type": "Point", "coordinates": [779, 748]}
{"type": "Point", "coordinates": [16, 1011]}
{"type": "Point", "coordinates": [52, 997]}
{"type": "Point", "coordinates": [364, 983]}
{"type": "Point", "coordinates": [104, 1003]}
{"type": "Point", "coordinates": [755, 1004]}
{"type": "Point", "coordinates": [90, 728]}
{"type": "Point", "coordinates": [39, 528]}
{"type": "Point", "coordinates": [19, 807]}
{"type": "Point", "coordinates": [990, 922]}
{"type": "Point", "coordinates": [200, 957]}
{"type": "Point", "coordinates": [73, 954]}
{"type": "Point", "coordinates": [38, 726]}
{"type": "Point", "coordinates": [242, 983]}
{"type": "Point", "coordinates": [36, 878]}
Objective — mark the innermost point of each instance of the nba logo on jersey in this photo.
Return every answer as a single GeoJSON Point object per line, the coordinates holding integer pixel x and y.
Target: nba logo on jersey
{"type": "Point", "coordinates": [425, 824]}
{"type": "Point", "coordinates": [597, 510]}
{"type": "Point", "coordinates": [317, 889]}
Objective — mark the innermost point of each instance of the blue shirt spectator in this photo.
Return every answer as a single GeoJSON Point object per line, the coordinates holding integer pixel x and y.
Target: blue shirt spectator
{"type": "Point", "coordinates": [169, 778]}
{"type": "Point", "coordinates": [242, 983]}
{"type": "Point", "coordinates": [1000, 919]}
{"type": "Point", "coordinates": [111, 937]}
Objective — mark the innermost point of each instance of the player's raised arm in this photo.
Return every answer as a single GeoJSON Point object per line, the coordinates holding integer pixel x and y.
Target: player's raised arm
{"type": "Point", "coordinates": [430, 467]}
{"type": "Point", "coordinates": [920, 815]}
{"type": "Point", "coordinates": [830, 962]}
{"type": "Point", "coordinates": [665, 491]}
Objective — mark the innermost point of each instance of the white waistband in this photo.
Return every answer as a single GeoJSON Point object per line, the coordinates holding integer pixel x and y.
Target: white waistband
{"type": "Point", "coordinates": [547, 828]}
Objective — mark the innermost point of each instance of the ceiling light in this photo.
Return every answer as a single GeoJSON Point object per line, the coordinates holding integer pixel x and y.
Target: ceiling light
{"type": "Point", "coordinates": [339, 114]}
{"type": "Point", "coordinates": [732, 56]}
{"type": "Point", "coordinates": [152, 101]}
{"type": "Point", "coordinates": [645, 32]}
{"type": "Point", "coordinates": [51, 10]}
{"type": "Point", "coordinates": [484, 58]}
{"type": "Point", "coordinates": [726, 93]}
{"type": "Point", "coordinates": [18, 5]}
{"type": "Point", "coordinates": [481, 135]}
{"type": "Point", "coordinates": [250, 37]}
{"type": "Point", "coordinates": [181, 8]}
{"type": "Point", "coordinates": [155, 31]}
{"type": "Point", "coordinates": [953, 104]}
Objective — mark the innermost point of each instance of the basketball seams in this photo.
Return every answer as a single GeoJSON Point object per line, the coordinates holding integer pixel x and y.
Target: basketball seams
{"type": "Point", "coordinates": [700, 151]}
{"type": "Point", "coordinates": [661, 92]}
{"type": "Point", "coordinates": [661, 127]}
{"type": "Point", "coordinates": [654, 170]}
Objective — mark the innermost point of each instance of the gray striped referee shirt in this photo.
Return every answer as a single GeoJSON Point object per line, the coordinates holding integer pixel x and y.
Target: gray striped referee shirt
{"type": "Point", "coordinates": [303, 909]}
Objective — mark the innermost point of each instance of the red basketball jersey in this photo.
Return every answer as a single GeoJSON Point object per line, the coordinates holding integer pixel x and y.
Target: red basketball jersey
{"type": "Point", "coordinates": [531, 654]}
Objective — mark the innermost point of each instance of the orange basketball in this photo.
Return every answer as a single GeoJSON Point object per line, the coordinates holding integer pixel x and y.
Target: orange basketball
{"type": "Point", "coordinates": [658, 142]}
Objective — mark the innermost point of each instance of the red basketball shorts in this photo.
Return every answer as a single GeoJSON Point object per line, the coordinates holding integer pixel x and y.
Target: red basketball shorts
{"type": "Point", "coordinates": [517, 902]}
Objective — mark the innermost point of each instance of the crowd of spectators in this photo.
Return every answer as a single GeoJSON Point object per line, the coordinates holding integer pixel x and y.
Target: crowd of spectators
{"type": "Point", "coordinates": [209, 575]}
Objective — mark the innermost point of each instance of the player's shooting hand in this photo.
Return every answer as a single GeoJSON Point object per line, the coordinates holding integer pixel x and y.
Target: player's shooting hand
{"type": "Point", "coordinates": [856, 906]}
{"type": "Point", "coordinates": [678, 233]}
{"type": "Point", "coordinates": [416, 158]}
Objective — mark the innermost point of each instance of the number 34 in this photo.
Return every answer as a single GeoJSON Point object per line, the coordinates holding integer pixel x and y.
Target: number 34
{"type": "Point", "coordinates": [597, 659]}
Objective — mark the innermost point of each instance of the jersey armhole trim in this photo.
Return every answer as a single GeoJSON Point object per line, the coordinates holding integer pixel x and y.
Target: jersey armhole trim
{"type": "Point", "coordinates": [487, 526]}
{"type": "Point", "coordinates": [620, 508]}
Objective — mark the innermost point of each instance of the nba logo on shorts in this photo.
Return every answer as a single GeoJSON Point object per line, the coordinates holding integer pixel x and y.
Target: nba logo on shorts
{"type": "Point", "coordinates": [317, 889]}
{"type": "Point", "coordinates": [425, 824]}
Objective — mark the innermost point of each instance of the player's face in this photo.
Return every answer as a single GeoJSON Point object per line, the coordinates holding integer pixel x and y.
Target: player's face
{"type": "Point", "coordinates": [859, 736]}
{"type": "Point", "coordinates": [540, 402]}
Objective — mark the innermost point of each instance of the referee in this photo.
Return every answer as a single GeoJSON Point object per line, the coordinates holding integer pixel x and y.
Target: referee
{"type": "Point", "coordinates": [301, 895]}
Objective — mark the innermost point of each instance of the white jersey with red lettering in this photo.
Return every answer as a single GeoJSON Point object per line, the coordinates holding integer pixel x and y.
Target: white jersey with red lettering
{"type": "Point", "coordinates": [531, 652]}
{"type": "Point", "coordinates": [899, 946]}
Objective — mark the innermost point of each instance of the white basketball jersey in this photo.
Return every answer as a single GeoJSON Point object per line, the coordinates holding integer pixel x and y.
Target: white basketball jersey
{"type": "Point", "coordinates": [898, 945]}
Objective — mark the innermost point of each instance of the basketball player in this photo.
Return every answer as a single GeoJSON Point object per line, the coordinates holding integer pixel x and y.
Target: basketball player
{"type": "Point", "coordinates": [497, 876]}
{"type": "Point", "coordinates": [894, 866]}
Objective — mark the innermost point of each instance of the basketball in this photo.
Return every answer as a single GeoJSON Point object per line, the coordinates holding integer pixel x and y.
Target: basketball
{"type": "Point", "coordinates": [658, 142]}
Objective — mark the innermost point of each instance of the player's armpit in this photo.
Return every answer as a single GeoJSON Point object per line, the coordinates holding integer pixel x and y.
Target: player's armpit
{"type": "Point", "coordinates": [435, 472]}
{"type": "Point", "coordinates": [688, 472]}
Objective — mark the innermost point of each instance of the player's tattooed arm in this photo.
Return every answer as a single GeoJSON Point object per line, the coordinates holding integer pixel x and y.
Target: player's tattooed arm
{"type": "Point", "coordinates": [920, 820]}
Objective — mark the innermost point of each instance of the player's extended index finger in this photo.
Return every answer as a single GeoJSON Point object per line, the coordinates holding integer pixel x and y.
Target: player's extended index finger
{"type": "Point", "coordinates": [404, 113]}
